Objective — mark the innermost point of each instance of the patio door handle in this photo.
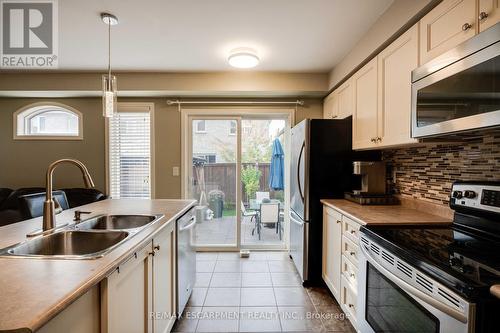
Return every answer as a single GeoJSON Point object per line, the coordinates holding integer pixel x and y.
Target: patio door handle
{"type": "Point", "coordinates": [298, 171]}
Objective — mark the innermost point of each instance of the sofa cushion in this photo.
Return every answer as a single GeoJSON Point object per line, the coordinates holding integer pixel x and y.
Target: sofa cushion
{"type": "Point", "coordinates": [31, 205]}
{"type": "Point", "coordinates": [12, 201]}
{"type": "Point", "coordinates": [82, 196]}
{"type": "Point", "coordinates": [4, 193]}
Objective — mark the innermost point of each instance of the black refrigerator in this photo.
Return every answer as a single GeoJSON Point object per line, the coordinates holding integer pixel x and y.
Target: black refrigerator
{"type": "Point", "coordinates": [321, 168]}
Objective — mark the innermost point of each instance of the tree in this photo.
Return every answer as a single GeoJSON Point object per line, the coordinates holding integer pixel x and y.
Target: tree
{"type": "Point", "coordinates": [250, 176]}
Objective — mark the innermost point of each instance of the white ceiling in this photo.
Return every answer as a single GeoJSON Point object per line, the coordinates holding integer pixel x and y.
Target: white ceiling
{"type": "Point", "coordinates": [197, 35]}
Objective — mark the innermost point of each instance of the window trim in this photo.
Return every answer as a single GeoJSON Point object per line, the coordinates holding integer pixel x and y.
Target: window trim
{"type": "Point", "coordinates": [235, 129]}
{"type": "Point", "coordinates": [134, 107]}
{"type": "Point", "coordinates": [79, 115]}
{"type": "Point", "coordinates": [196, 130]}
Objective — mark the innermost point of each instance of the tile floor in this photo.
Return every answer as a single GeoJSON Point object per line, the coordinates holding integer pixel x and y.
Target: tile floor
{"type": "Point", "coordinates": [262, 293]}
{"type": "Point", "coordinates": [223, 231]}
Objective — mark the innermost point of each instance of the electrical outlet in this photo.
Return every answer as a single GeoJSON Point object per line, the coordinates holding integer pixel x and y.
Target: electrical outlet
{"type": "Point", "coordinates": [175, 171]}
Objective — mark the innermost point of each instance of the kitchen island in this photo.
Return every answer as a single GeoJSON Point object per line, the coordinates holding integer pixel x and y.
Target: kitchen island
{"type": "Point", "coordinates": [43, 294]}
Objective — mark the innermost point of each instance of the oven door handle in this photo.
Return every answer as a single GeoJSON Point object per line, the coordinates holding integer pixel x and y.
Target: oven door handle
{"type": "Point", "coordinates": [414, 291]}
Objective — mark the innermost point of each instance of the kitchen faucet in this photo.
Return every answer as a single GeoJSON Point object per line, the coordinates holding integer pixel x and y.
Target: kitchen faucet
{"type": "Point", "coordinates": [49, 214]}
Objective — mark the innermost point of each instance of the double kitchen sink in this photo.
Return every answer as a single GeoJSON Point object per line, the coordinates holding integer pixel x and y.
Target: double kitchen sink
{"type": "Point", "coordinates": [88, 239]}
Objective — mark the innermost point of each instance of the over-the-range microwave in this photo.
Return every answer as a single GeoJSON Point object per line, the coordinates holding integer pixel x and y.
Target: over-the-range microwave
{"type": "Point", "coordinates": [459, 90]}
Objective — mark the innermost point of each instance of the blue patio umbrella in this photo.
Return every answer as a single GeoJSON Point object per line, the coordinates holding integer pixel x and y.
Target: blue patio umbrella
{"type": "Point", "coordinates": [276, 172]}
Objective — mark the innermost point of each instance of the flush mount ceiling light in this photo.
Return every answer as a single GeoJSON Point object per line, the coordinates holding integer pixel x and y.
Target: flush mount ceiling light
{"type": "Point", "coordinates": [243, 58]}
{"type": "Point", "coordinates": [109, 90]}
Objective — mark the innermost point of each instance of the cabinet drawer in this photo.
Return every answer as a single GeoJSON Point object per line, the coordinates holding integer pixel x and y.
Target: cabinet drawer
{"type": "Point", "coordinates": [350, 250]}
{"type": "Point", "coordinates": [350, 272]}
{"type": "Point", "coordinates": [348, 301]}
{"type": "Point", "coordinates": [350, 229]}
{"type": "Point", "coordinates": [333, 213]}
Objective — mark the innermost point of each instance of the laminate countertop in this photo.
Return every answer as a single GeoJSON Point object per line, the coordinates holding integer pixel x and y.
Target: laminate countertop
{"type": "Point", "coordinates": [32, 291]}
{"type": "Point", "coordinates": [385, 214]}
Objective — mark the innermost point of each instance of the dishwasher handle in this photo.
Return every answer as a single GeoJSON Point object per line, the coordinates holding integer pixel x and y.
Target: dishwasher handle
{"type": "Point", "coordinates": [190, 225]}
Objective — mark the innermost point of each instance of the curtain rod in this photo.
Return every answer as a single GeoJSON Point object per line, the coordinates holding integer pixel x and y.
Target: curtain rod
{"type": "Point", "coordinates": [179, 102]}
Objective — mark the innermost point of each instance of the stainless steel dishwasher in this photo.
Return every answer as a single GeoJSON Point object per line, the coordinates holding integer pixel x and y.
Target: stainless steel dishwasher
{"type": "Point", "coordinates": [186, 258]}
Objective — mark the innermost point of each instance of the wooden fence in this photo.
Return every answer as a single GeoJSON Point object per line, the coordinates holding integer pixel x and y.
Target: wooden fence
{"type": "Point", "coordinates": [222, 176]}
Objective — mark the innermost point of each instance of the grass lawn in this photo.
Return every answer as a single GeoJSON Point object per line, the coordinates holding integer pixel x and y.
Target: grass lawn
{"type": "Point", "coordinates": [229, 212]}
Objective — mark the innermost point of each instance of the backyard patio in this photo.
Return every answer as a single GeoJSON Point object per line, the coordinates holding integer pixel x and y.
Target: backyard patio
{"type": "Point", "coordinates": [222, 231]}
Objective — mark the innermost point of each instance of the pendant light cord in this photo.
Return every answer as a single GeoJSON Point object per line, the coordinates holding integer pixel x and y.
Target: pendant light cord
{"type": "Point", "coordinates": [109, 50]}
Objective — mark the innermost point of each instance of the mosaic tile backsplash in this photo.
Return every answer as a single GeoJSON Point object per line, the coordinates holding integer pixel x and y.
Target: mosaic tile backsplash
{"type": "Point", "coordinates": [427, 172]}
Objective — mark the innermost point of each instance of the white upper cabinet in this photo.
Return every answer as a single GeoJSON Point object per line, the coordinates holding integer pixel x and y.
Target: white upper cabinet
{"type": "Point", "coordinates": [339, 103]}
{"type": "Point", "coordinates": [395, 64]}
{"type": "Point", "coordinates": [489, 13]}
{"type": "Point", "coordinates": [345, 99]}
{"type": "Point", "coordinates": [330, 106]}
{"type": "Point", "coordinates": [365, 106]}
{"type": "Point", "coordinates": [447, 25]}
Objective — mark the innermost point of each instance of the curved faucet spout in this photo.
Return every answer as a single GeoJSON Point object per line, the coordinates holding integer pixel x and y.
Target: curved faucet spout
{"type": "Point", "coordinates": [49, 215]}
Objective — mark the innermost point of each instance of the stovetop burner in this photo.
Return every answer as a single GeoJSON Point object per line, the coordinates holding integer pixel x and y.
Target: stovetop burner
{"type": "Point", "coordinates": [463, 262]}
{"type": "Point", "coordinates": [464, 256]}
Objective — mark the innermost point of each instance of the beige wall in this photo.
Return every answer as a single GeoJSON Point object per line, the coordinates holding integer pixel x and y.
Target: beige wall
{"type": "Point", "coordinates": [24, 163]}
{"type": "Point", "coordinates": [393, 19]}
{"type": "Point", "coordinates": [234, 84]}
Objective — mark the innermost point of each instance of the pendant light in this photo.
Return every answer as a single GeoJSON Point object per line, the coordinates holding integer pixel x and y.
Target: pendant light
{"type": "Point", "coordinates": [109, 104]}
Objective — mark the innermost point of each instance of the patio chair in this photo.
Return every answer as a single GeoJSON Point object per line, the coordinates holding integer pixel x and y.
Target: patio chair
{"type": "Point", "coordinates": [246, 213]}
{"type": "Point", "coordinates": [259, 196]}
{"type": "Point", "coordinates": [269, 213]}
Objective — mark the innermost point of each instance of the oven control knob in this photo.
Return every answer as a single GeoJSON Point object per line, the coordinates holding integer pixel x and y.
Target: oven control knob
{"type": "Point", "coordinates": [457, 194]}
{"type": "Point", "coordinates": [470, 194]}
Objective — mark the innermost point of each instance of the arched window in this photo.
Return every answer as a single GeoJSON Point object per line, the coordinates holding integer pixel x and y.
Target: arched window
{"type": "Point", "coordinates": [48, 121]}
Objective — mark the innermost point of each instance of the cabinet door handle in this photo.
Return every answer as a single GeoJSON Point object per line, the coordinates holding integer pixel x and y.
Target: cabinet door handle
{"type": "Point", "coordinates": [466, 26]}
{"type": "Point", "coordinates": [338, 221]}
{"type": "Point", "coordinates": [483, 16]}
{"type": "Point", "coordinates": [157, 247]}
{"type": "Point", "coordinates": [373, 140]}
{"type": "Point", "coordinates": [334, 116]}
{"type": "Point", "coordinates": [379, 139]}
{"type": "Point", "coordinates": [352, 253]}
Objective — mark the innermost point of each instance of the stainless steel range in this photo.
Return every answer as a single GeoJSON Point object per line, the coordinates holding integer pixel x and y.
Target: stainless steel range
{"type": "Point", "coordinates": [434, 279]}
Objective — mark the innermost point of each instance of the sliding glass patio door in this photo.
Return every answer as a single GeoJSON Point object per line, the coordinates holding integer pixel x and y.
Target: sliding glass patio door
{"type": "Point", "coordinates": [234, 173]}
{"type": "Point", "coordinates": [214, 180]}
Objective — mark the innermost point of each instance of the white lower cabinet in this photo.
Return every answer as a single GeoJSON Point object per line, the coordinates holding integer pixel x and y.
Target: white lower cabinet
{"type": "Point", "coordinates": [126, 295]}
{"type": "Point", "coordinates": [332, 247]}
{"type": "Point", "coordinates": [163, 282]}
{"type": "Point", "coordinates": [340, 259]}
{"type": "Point", "coordinates": [139, 295]}
{"type": "Point", "coordinates": [81, 316]}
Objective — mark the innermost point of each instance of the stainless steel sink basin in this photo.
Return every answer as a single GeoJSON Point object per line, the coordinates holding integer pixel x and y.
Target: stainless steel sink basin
{"type": "Point", "coordinates": [69, 244]}
{"type": "Point", "coordinates": [117, 222]}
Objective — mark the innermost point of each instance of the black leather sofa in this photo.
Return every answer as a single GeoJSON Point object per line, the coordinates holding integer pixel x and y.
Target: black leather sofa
{"type": "Point", "coordinates": [13, 210]}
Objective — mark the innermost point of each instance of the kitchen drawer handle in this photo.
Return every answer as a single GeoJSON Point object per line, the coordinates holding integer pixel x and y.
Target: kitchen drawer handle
{"type": "Point", "coordinates": [157, 247]}
{"type": "Point", "coordinates": [353, 232]}
{"type": "Point", "coordinates": [466, 26]}
{"type": "Point", "coordinates": [351, 306]}
{"type": "Point", "coordinates": [483, 16]}
{"type": "Point", "coordinates": [352, 275]}
{"type": "Point", "coordinates": [352, 253]}
{"type": "Point", "coordinates": [338, 221]}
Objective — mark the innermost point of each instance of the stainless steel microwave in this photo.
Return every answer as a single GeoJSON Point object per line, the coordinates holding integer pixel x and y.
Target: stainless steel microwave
{"type": "Point", "coordinates": [459, 90]}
